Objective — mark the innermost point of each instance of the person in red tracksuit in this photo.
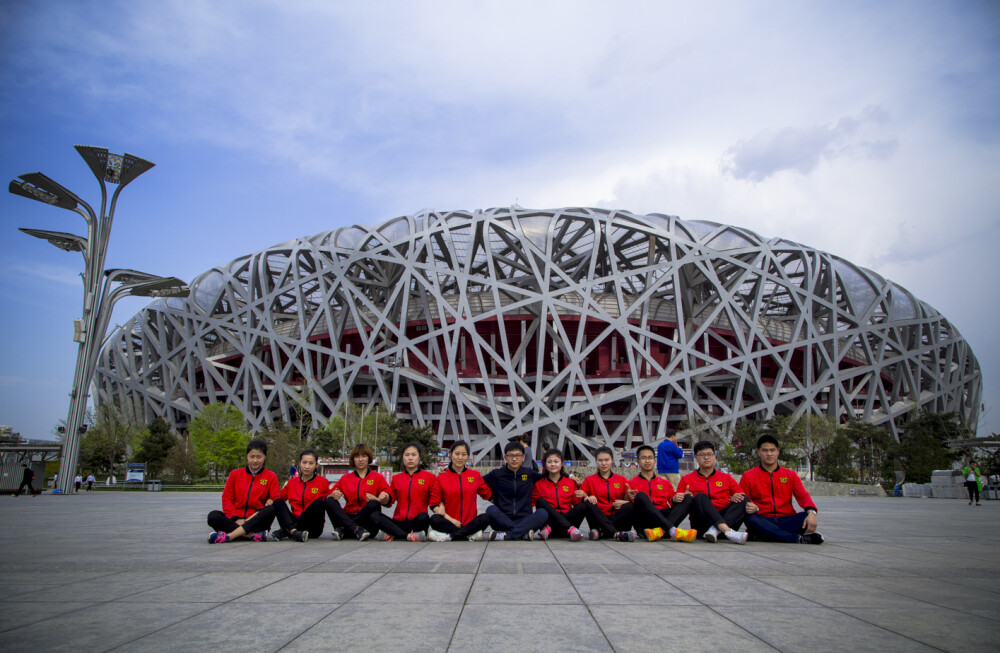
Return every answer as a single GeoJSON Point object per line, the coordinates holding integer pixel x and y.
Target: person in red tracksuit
{"type": "Point", "coordinates": [305, 493]}
{"type": "Point", "coordinates": [653, 512]}
{"type": "Point", "coordinates": [364, 492]}
{"type": "Point", "coordinates": [555, 493]}
{"type": "Point", "coordinates": [770, 488]}
{"type": "Point", "coordinates": [457, 515]}
{"type": "Point", "coordinates": [247, 500]}
{"type": "Point", "coordinates": [413, 490]}
{"type": "Point", "coordinates": [726, 509]}
{"type": "Point", "coordinates": [609, 500]}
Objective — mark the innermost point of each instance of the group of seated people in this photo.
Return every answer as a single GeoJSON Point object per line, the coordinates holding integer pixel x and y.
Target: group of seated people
{"type": "Point", "coordinates": [525, 503]}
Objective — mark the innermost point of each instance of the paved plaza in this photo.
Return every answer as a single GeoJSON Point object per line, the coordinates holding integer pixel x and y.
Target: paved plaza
{"type": "Point", "coordinates": [132, 571]}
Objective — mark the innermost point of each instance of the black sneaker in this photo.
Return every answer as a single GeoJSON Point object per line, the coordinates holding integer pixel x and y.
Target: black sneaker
{"type": "Point", "coordinates": [300, 536]}
{"type": "Point", "coordinates": [811, 538]}
{"type": "Point", "coordinates": [625, 536]}
{"type": "Point", "coordinates": [279, 535]}
{"type": "Point", "coordinates": [337, 534]}
{"type": "Point", "coordinates": [361, 534]}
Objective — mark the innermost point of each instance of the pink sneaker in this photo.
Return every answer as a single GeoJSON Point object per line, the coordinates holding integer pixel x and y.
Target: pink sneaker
{"type": "Point", "coordinates": [218, 538]}
{"type": "Point", "coordinates": [574, 534]}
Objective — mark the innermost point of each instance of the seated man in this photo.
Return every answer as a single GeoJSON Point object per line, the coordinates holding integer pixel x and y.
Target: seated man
{"type": "Point", "coordinates": [608, 499]}
{"type": "Point", "coordinates": [770, 488]}
{"type": "Point", "coordinates": [726, 508]}
{"type": "Point", "coordinates": [511, 515]}
{"type": "Point", "coordinates": [651, 507]}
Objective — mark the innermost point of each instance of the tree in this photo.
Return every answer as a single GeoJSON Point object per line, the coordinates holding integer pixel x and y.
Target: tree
{"type": "Point", "coordinates": [282, 448]}
{"type": "Point", "coordinates": [874, 449]}
{"type": "Point", "coordinates": [922, 444]}
{"type": "Point", "coordinates": [404, 433]}
{"type": "Point", "coordinates": [741, 454]}
{"type": "Point", "coordinates": [181, 464]}
{"type": "Point", "coordinates": [219, 434]}
{"type": "Point", "coordinates": [115, 427]}
{"type": "Point", "coordinates": [812, 434]}
{"type": "Point", "coordinates": [835, 462]}
{"type": "Point", "coordinates": [354, 424]}
{"type": "Point", "coordinates": [155, 445]}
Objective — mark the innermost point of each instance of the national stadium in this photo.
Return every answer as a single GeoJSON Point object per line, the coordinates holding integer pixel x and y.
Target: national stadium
{"type": "Point", "coordinates": [580, 327]}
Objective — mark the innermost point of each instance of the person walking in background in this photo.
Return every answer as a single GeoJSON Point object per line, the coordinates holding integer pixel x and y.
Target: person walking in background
{"type": "Point", "coordinates": [668, 456]}
{"type": "Point", "coordinates": [78, 482]}
{"type": "Point", "coordinates": [27, 476]}
{"type": "Point", "coordinates": [973, 481]}
{"type": "Point", "coordinates": [90, 482]}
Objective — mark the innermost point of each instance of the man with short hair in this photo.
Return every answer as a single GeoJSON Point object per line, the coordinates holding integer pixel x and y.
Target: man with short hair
{"type": "Point", "coordinates": [511, 515]}
{"type": "Point", "coordinates": [668, 456]}
{"type": "Point", "coordinates": [770, 488]}
{"type": "Point", "coordinates": [608, 498]}
{"type": "Point", "coordinates": [726, 508]}
{"type": "Point", "coordinates": [27, 476]}
{"type": "Point", "coordinates": [653, 512]}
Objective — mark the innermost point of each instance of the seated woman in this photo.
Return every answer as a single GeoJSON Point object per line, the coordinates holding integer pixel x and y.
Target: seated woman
{"type": "Point", "coordinates": [457, 517]}
{"type": "Point", "coordinates": [413, 489]}
{"type": "Point", "coordinates": [247, 500]}
{"type": "Point", "coordinates": [555, 493]}
{"type": "Point", "coordinates": [364, 492]}
{"type": "Point", "coordinates": [305, 494]}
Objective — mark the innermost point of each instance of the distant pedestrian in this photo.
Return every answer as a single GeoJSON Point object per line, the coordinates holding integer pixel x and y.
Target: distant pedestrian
{"type": "Point", "coordinates": [973, 481]}
{"type": "Point", "coordinates": [27, 476]}
{"type": "Point", "coordinates": [78, 482]}
{"type": "Point", "coordinates": [668, 456]}
{"type": "Point", "coordinates": [90, 482]}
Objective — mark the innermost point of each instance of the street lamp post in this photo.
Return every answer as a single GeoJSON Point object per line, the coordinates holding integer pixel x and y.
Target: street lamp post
{"type": "Point", "coordinates": [101, 288]}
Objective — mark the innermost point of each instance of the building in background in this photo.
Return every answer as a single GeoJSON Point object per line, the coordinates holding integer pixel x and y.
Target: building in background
{"type": "Point", "coordinates": [580, 327]}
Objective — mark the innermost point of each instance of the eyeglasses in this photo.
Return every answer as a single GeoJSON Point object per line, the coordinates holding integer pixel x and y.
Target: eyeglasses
{"type": "Point", "coordinates": [514, 455]}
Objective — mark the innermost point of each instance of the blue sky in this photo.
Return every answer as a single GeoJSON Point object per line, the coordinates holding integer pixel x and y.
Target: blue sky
{"type": "Point", "coordinates": [869, 130]}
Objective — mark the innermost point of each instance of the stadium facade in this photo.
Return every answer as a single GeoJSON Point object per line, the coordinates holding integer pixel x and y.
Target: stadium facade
{"type": "Point", "coordinates": [580, 327]}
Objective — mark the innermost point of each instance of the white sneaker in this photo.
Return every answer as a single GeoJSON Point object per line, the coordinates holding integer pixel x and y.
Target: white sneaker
{"type": "Point", "coordinates": [436, 536]}
{"type": "Point", "coordinates": [712, 534]}
{"type": "Point", "coordinates": [736, 537]}
{"type": "Point", "coordinates": [478, 536]}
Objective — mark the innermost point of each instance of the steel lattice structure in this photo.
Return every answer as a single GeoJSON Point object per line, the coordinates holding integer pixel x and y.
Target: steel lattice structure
{"type": "Point", "coordinates": [578, 326]}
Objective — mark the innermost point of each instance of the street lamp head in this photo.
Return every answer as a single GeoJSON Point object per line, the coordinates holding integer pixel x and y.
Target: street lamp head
{"type": "Point", "coordinates": [113, 168]}
{"type": "Point", "coordinates": [125, 276]}
{"type": "Point", "coordinates": [161, 287]}
{"type": "Point", "coordinates": [61, 239]}
{"type": "Point", "coordinates": [38, 187]}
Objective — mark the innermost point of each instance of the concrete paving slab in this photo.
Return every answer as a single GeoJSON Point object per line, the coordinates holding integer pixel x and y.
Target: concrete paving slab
{"type": "Point", "coordinates": [367, 627]}
{"type": "Point", "coordinates": [509, 589]}
{"type": "Point", "coordinates": [529, 627]}
{"type": "Point", "coordinates": [107, 587]}
{"type": "Point", "coordinates": [242, 628]}
{"type": "Point", "coordinates": [211, 587]}
{"type": "Point", "coordinates": [417, 588]}
{"type": "Point", "coordinates": [311, 587]}
{"type": "Point", "coordinates": [100, 627]}
{"type": "Point", "coordinates": [651, 627]}
{"type": "Point", "coordinates": [606, 589]}
{"type": "Point", "coordinates": [817, 630]}
{"type": "Point", "coordinates": [948, 630]}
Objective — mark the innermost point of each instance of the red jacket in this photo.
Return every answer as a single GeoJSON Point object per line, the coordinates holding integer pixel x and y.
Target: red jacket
{"type": "Point", "coordinates": [561, 495]}
{"type": "Point", "coordinates": [413, 493]}
{"type": "Point", "coordinates": [607, 490]}
{"type": "Point", "coordinates": [659, 490]}
{"type": "Point", "coordinates": [458, 493]}
{"type": "Point", "coordinates": [246, 493]}
{"type": "Point", "coordinates": [299, 495]}
{"type": "Point", "coordinates": [719, 486]}
{"type": "Point", "coordinates": [355, 488]}
{"type": "Point", "coordinates": [773, 491]}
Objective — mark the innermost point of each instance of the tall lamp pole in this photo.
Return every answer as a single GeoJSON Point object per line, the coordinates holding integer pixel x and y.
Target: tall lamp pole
{"type": "Point", "coordinates": [101, 288]}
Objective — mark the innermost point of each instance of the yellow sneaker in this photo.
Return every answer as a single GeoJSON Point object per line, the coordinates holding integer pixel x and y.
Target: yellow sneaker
{"type": "Point", "coordinates": [653, 534]}
{"type": "Point", "coordinates": [688, 535]}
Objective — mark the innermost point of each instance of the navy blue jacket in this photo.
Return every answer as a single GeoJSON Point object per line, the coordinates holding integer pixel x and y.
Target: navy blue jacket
{"type": "Point", "coordinates": [512, 492]}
